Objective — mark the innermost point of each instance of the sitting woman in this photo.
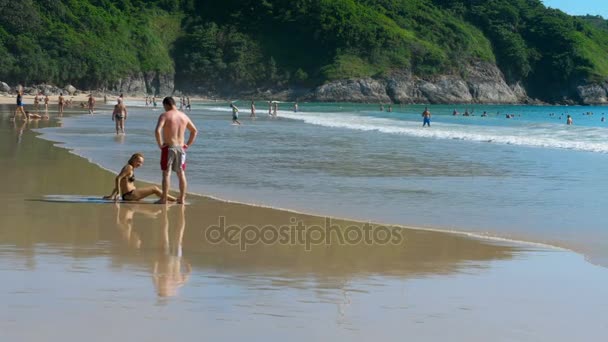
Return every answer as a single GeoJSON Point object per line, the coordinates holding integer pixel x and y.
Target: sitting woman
{"type": "Point", "coordinates": [125, 183]}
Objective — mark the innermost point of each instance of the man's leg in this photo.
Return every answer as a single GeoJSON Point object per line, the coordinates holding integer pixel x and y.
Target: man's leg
{"type": "Point", "coordinates": [166, 184]}
{"type": "Point", "coordinates": [183, 184]}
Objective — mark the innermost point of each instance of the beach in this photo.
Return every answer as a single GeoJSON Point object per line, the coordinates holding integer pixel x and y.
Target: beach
{"type": "Point", "coordinates": [103, 271]}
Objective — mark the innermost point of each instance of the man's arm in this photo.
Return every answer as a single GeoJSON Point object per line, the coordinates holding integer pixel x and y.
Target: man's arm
{"type": "Point", "coordinates": [159, 127]}
{"type": "Point", "coordinates": [193, 132]}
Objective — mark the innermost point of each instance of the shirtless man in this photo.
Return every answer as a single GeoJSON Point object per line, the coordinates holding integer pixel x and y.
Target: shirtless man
{"type": "Point", "coordinates": [170, 132]}
{"type": "Point", "coordinates": [61, 103]}
{"type": "Point", "coordinates": [426, 115]}
{"type": "Point", "coordinates": [91, 103]}
{"type": "Point", "coordinates": [46, 103]}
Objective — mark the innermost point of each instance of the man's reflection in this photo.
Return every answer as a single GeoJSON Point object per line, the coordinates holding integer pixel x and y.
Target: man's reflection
{"type": "Point", "coordinates": [124, 221]}
{"type": "Point", "coordinates": [171, 271]}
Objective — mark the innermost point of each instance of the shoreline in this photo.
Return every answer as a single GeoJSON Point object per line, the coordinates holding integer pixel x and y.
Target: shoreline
{"type": "Point", "coordinates": [9, 99]}
{"type": "Point", "coordinates": [133, 265]}
{"type": "Point", "coordinates": [462, 231]}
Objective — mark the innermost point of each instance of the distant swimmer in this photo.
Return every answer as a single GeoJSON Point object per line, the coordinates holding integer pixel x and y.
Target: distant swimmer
{"type": "Point", "coordinates": [426, 115]}
{"type": "Point", "coordinates": [390, 108]}
{"type": "Point", "coordinates": [295, 107]}
{"type": "Point", "coordinates": [252, 109]}
{"type": "Point", "coordinates": [235, 114]}
{"type": "Point", "coordinates": [188, 105]}
{"type": "Point", "coordinates": [455, 112]}
{"type": "Point", "coordinates": [381, 107]}
{"type": "Point", "coordinates": [603, 119]}
{"type": "Point", "coordinates": [466, 112]}
{"type": "Point", "coordinates": [484, 114]}
{"type": "Point", "coordinates": [91, 103]}
{"type": "Point", "coordinates": [19, 108]}
{"type": "Point", "coordinates": [124, 183]}
{"type": "Point", "coordinates": [119, 116]}
{"type": "Point", "coordinates": [569, 120]}
{"type": "Point", "coordinates": [154, 101]}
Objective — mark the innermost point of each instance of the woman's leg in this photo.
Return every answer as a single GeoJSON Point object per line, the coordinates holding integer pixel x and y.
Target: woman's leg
{"type": "Point", "coordinates": [142, 193]}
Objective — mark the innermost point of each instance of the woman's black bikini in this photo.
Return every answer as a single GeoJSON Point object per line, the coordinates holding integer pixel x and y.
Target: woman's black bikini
{"type": "Point", "coordinates": [127, 194]}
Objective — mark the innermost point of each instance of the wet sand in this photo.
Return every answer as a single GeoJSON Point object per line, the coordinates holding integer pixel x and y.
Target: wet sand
{"type": "Point", "coordinates": [75, 271]}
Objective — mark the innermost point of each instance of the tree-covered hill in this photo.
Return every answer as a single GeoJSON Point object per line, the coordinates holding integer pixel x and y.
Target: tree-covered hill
{"type": "Point", "coordinates": [222, 46]}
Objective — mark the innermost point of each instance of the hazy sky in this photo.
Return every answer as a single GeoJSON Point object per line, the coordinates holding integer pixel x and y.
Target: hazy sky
{"type": "Point", "coordinates": [580, 6]}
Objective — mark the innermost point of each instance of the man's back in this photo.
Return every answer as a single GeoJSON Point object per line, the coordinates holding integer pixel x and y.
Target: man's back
{"type": "Point", "coordinates": [175, 124]}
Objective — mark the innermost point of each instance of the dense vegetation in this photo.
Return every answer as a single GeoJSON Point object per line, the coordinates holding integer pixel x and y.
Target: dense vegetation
{"type": "Point", "coordinates": [246, 44]}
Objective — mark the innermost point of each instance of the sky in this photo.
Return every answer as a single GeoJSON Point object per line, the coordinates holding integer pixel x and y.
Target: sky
{"type": "Point", "coordinates": [580, 7]}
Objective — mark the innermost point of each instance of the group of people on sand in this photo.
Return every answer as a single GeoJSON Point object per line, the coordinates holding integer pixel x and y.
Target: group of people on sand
{"type": "Point", "coordinates": [170, 136]}
{"type": "Point", "coordinates": [40, 98]}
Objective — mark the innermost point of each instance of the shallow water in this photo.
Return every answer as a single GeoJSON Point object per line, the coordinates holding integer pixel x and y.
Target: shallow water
{"type": "Point", "coordinates": [99, 272]}
{"type": "Point", "coordinates": [530, 177]}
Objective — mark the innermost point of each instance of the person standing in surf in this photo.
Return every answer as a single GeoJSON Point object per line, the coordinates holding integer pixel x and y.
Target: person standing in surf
{"type": "Point", "coordinates": [252, 109]}
{"type": "Point", "coordinates": [61, 103]}
{"type": "Point", "coordinates": [119, 116]}
{"type": "Point", "coordinates": [426, 115]}
{"type": "Point", "coordinates": [235, 114]}
{"type": "Point", "coordinates": [170, 132]}
{"type": "Point", "coordinates": [91, 103]}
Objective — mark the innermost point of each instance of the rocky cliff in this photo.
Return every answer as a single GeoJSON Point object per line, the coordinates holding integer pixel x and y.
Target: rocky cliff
{"type": "Point", "coordinates": [594, 93]}
{"type": "Point", "coordinates": [479, 83]}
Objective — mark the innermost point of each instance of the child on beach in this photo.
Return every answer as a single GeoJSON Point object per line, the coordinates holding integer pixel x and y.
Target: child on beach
{"type": "Point", "coordinates": [124, 186]}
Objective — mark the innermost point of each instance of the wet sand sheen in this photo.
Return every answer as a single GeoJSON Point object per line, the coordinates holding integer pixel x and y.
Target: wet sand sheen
{"type": "Point", "coordinates": [127, 268]}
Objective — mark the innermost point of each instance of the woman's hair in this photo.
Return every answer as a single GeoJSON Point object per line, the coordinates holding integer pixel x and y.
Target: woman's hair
{"type": "Point", "coordinates": [134, 157]}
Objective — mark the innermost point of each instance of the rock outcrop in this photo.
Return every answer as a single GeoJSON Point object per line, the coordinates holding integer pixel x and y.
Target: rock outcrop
{"type": "Point", "coordinates": [595, 93]}
{"type": "Point", "coordinates": [362, 90]}
{"type": "Point", "coordinates": [482, 82]}
{"type": "Point", "coordinates": [4, 87]}
{"type": "Point", "coordinates": [141, 84]}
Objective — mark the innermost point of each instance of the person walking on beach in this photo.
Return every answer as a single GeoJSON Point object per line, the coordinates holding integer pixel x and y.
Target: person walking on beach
{"type": "Point", "coordinates": [19, 108]}
{"type": "Point", "coordinates": [252, 109]}
{"type": "Point", "coordinates": [124, 183]}
{"type": "Point", "coordinates": [91, 103]}
{"type": "Point", "coordinates": [119, 116]}
{"type": "Point", "coordinates": [46, 103]}
{"type": "Point", "coordinates": [426, 115]}
{"type": "Point", "coordinates": [170, 132]}
{"type": "Point", "coordinates": [235, 114]}
{"type": "Point", "coordinates": [61, 103]}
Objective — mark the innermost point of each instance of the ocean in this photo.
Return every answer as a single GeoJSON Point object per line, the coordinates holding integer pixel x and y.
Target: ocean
{"type": "Point", "coordinates": [530, 177]}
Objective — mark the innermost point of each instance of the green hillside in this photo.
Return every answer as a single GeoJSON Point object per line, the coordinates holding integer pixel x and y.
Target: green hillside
{"type": "Point", "coordinates": [221, 45]}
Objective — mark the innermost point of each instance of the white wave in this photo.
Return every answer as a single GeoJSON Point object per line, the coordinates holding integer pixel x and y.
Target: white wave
{"type": "Point", "coordinates": [535, 135]}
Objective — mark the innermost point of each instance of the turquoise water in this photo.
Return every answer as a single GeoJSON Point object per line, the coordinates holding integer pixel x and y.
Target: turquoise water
{"type": "Point", "coordinates": [530, 177]}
